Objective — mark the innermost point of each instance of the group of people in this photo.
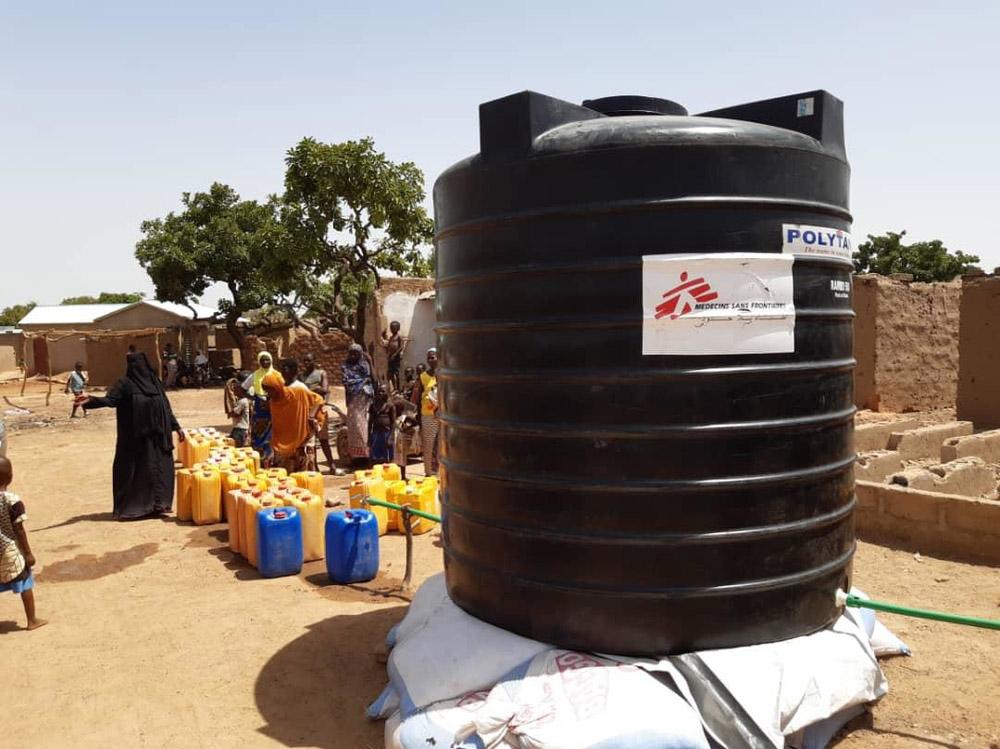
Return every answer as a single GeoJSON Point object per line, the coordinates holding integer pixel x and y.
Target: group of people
{"type": "Point", "coordinates": [385, 423]}
{"type": "Point", "coordinates": [279, 411]}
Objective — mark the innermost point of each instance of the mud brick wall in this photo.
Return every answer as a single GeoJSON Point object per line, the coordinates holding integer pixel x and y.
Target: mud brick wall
{"type": "Point", "coordinates": [979, 352]}
{"type": "Point", "coordinates": [329, 349]}
{"type": "Point", "coordinates": [906, 344]}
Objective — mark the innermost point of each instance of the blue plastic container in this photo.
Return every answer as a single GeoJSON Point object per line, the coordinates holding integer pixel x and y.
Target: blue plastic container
{"type": "Point", "coordinates": [351, 546]}
{"type": "Point", "coordinates": [279, 541]}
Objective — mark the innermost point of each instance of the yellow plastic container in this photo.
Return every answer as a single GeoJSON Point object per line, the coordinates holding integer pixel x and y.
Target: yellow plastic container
{"type": "Point", "coordinates": [198, 451]}
{"type": "Point", "coordinates": [312, 510]}
{"type": "Point", "coordinates": [358, 491]}
{"type": "Point", "coordinates": [185, 484]}
{"type": "Point", "coordinates": [390, 471]}
{"type": "Point", "coordinates": [311, 480]}
{"type": "Point", "coordinates": [206, 497]}
{"type": "Point", "coordinates": [276, 473]}
{"type": "Point", "coordinates": [395, 491]}
{"type": "Point", "coordinates": [251, 504]}
{"type": "Point", "coordinates": [233, 518]}
{"type": "Point", "coordinates": [426, 499]}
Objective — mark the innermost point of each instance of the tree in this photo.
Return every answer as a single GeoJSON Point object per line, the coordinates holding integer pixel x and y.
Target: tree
{"type": "Point", "coordinates": [351, 213]}
{"type": "Point", "coordinates": [927, 261]}
{"type": "Point", "coordinates": [218, 238]}
{"type": "Point", "coordinates": [107, 297]}
{"type": "Point", "coordinates": [14, 314]}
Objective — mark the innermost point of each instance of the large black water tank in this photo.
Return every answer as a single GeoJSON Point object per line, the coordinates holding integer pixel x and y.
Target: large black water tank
{"type": "Point", "coordinates": [697, 495]}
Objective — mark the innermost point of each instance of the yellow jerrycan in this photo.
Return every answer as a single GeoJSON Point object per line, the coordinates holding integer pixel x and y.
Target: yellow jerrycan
{"type": "Point", "coordinates": [389, 471]}
{"type": "Point", "coordinates": [233, 517]}
{"type": "Point", "coordinates": [358, 491]}
{"type": "Point", "coordinates": [185, 486]}
{"type": "Point", "coordinates": [252, 503]}
{"type": "Point", "coordinates": [312, 510]}
{"type": "Point", "coordinates": [311, 480]}
{"type": "Point", "coordinates": [423, 497]}
{"type": "Point", "coordinates": [206, 497]}
{"type": "Point", "coordinates": [396, 492]}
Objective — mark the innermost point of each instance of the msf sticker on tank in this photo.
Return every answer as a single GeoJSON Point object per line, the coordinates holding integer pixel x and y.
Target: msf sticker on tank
{"type": "Point", "coordinates": [729, 303]}
{"type": "Point", "coordinates": [816, 241]}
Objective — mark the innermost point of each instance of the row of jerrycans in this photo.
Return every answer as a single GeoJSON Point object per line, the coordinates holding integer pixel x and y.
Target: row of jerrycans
{"type": "Point", "coordinates": [243, 507]}
{"type": "Point", "coordinates": [199, 444]}
{"type": "Point", "coordinates": [384, 482]}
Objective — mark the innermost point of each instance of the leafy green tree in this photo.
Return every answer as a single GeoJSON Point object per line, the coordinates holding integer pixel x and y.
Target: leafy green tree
{"type": "Point", "coordinates": [351, 214]}
{"type": "Point", "coordinates": [218, 239]}
{"type": "Point", "coordinates": [15, 313]}
{"type": "Point", "coordinates": [107, 297]}
{"type": "Point", "coordinates": [927, 261]}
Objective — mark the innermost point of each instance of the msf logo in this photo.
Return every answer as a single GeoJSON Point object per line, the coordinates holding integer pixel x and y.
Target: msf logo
{"type": "Point", "coordinates": [681, 299]}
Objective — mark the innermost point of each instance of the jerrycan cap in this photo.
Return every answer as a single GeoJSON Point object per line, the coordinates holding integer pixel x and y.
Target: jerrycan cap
{"type": "Point", "coordinates": [280, 514]}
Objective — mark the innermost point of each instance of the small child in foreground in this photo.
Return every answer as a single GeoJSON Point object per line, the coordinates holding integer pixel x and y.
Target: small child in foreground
{"type": "Point", "coordinates": [16, 559]}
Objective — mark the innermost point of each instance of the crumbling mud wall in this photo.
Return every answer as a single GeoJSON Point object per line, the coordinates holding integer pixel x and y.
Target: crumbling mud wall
{"type": "Point", "coordinates": [906, 344]}
{"type": "Point", "coordinates": [979, 352]}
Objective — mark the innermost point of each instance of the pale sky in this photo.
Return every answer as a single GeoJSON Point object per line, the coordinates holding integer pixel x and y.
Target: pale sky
{"type": "Point", "coordinates": [109, 110]}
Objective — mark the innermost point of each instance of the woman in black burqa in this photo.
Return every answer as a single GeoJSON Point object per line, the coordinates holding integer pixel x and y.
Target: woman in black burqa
{"type": "Point", "coordinates": [144, 463]}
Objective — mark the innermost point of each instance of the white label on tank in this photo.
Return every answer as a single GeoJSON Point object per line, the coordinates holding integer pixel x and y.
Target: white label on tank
{"type": "Point", "coordinates": [816, 241]}
{"type": "Point", "coordinates": [806, 107]}
{"type": "Point", "coordinates": [726, 303]}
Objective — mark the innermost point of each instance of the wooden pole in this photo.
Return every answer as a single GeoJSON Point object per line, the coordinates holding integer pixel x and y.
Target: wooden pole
{"type": "Point", "coordinates": [159, 358]}
{"type": "Point", "coordinates": [48, 356]}
{"type": "Point", "coordinates": [404, 515]}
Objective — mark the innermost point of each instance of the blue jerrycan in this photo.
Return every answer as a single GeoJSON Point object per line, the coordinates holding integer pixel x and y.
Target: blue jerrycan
{"type": "Point", "coordinates": [351, 546]}
{"type": "Point", "coordinates": [279, 541]}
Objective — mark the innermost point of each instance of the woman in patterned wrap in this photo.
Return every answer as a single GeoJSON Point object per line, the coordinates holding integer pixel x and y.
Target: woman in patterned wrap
{"type": "Point", "coordinates": [359, 389]}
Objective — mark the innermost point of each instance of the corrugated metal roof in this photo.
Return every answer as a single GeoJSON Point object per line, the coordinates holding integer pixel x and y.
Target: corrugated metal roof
{"type": "Point", "coordinates": [174, 309]}
{"type": "Point", "coordinates": [69, 314]}
{"type": "Point", "coordinates": [83, 314]}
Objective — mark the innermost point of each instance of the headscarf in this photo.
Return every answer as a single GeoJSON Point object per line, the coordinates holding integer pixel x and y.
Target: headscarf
{"type": "Point", "coordinates": [151, 414]}
{"type": "Point", "coordinates": [290, 412]}
{"type": "Point", "coordinates": [357, 376]}
{"type": "Point", "coordinates": [261, 372]}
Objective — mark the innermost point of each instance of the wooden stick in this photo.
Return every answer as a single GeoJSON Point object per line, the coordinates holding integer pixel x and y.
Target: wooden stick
{"type": "Point", "coordinates": [404, 515]}
{"type": "Point", "coordinates": [48, 357]}
{"type": "Point", "coordinates": [159, 358]}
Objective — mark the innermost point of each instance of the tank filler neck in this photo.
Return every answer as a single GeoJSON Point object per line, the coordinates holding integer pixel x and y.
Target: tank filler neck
{"type": "Point", "coordinates": [622, 106]}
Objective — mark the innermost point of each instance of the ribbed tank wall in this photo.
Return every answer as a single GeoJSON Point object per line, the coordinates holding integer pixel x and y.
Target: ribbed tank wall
{"type": "Point", "coordinates": [603, 499]}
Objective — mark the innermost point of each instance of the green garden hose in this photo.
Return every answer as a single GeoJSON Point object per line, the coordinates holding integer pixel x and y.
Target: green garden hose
{"type": "Point", "coordinates": [394, 506]}
{"type": "Point", "coordinates": [845, 599]}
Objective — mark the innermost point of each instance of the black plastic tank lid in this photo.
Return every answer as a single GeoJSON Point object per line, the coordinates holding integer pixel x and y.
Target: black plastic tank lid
{"type": "Point", "coordinates": [621, 106]}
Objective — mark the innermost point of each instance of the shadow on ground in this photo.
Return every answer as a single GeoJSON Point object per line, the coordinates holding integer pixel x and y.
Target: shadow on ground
{"type": "Point", "coordinates": [93, 517]}
{"type": "Point", "coordinates": [314, 691]}
{"type": "Point", "coordinates": [866, 721]}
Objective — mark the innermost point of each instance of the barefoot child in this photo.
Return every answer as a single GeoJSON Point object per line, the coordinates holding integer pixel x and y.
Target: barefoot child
{"type": "Point", "coordinates": [16, 559]}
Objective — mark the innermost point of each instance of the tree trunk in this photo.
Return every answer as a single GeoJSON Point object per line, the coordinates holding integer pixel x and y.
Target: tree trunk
{"type": "Point", "coordinates": [240, 339]}
{"type": "Point", "coordinates": [359, 326]}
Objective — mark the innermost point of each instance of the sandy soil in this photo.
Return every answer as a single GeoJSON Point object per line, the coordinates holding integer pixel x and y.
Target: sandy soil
{"type": "Point", "coordinates": [161, 638]}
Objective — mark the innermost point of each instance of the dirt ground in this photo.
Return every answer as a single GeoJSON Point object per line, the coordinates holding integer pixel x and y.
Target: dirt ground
{"type": "Point", "coordinates": [159, 637]}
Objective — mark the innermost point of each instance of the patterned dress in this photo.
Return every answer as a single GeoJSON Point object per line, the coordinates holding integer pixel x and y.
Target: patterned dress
{"type": "Point", "coordinates": [15, 575]}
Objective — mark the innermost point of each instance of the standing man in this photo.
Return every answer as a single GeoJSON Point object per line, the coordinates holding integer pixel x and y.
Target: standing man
{"type": "Point", "coordinates": [316, 380]}
{"type": "Point", "coordinates": [394, 345]}
{"type": "Point", "coordinates": [169, 366]}
{"type": "Point", "coordinates": [201, 368]}
{"type": "Point", "coordinates": [76, 384]}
